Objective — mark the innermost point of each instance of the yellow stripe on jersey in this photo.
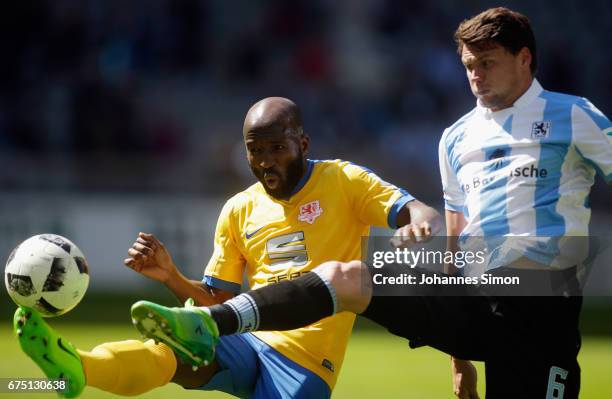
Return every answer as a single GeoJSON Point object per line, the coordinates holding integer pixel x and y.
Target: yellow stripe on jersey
{"type": "Point", "coordinates": [272, 240]}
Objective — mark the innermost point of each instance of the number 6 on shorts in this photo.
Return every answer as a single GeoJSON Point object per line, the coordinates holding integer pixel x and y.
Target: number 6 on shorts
{"type": "Point", "coordinates": [556, 388]}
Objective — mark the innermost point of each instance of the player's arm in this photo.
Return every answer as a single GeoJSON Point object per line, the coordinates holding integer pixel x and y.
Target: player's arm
{"type": "Point", "coordinates": [463, 371]}
{"type": "Point", "coordinates": [149, 257]}
{"type": "Point", "coordinates": [592, 136]}
{"type": "Point", "coordinates": [417, 213]}
{"type": "Point", "coordinates": [464, 379]}
{"type": "Point", "coordinates": [416, 222]}
{"type": "Point", "coordinates": [202, 293]}
{"type": "Point", "coordinates": [454, 198]}
{"type": "Point", "coordinates": [455, 223]}
{"type": "Point", "coordinates": [378, 203]}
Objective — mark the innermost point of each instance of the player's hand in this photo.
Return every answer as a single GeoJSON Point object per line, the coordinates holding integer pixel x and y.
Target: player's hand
{"type": "Point", "coordinates": [410, 234]}
{"type": "Point", "coordinates": [464, 379]}
{"type": "Point", "coordinates": [149, 257]}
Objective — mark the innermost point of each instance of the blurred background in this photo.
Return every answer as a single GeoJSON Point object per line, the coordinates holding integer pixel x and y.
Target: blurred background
{"type": "Point", "coordinates": [121, 116]}
{"type": "Point", "coordinates": [126, 116]}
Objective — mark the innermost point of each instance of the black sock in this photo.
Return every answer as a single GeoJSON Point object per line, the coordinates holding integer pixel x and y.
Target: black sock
{"type": "Point", "coordinates": [284, 306]}
{"type": "Point", "coordinates": [225, 317]}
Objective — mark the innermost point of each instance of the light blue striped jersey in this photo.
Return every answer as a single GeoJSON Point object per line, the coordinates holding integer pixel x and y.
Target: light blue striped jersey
{"type": "Point", "coordinates": [526, 170]}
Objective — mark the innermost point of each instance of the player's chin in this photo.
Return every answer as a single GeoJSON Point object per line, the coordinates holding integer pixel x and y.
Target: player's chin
{"type": "Point", "coordinates": [278, 192]}
{"type": "Point", "coordinates": [484, 96]}
{"type": "Point", "coordinates": [489, 99]}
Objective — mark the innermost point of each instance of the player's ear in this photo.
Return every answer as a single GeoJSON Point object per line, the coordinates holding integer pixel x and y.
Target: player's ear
{"type": "Point", "coordinates": [525, 57]}
{"type": "Point", "coordinates": [305, 143]}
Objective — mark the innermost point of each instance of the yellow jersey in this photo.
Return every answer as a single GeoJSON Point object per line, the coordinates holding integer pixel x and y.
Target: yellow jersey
{"type": "Point", "coordinates": [271, 240]}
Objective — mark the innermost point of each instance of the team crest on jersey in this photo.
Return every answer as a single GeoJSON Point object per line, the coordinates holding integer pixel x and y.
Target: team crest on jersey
{"type": "Point", "coordinates": [540, 130]}
{"type": "Point", "coordinates": [309, 212]}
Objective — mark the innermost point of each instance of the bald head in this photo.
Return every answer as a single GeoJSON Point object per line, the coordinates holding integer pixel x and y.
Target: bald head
{"type": "Point", "coordinates": [276, 145]}
{"type": "Point", "coordinates": [273, 115]}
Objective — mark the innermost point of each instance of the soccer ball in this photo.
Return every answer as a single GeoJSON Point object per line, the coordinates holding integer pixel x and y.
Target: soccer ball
{"type": "Point", "coordinates": [48, 273]}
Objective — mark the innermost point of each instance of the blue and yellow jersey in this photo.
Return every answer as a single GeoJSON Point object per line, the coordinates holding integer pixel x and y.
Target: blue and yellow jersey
{"type": "Point", "coordinates": [272, 240]}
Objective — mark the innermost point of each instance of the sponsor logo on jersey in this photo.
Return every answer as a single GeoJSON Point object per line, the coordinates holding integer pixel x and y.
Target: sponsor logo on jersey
{"type": "Point", "coordinates": [251, 234]}
{"type": "Point", "coordinates": [530, 171]}
{"type": "Point", "coordinates": [309, 212]}
{"type": "Point", "coordinates": [540, 130]}
{"type": "Point", "coordinates": [328, 365]}
{"type": "Point", "coordinates": [499, 155]}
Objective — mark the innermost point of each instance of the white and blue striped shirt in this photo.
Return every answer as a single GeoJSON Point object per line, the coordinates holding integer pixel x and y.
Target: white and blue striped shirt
{"type": "Point", "coordinates": [526, 170]}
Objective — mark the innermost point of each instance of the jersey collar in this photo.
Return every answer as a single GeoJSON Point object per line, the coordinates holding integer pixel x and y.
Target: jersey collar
{"type": "Point", "coordinates": [304, 179]}
{"type": "Point", "coordinates": [531, 94]}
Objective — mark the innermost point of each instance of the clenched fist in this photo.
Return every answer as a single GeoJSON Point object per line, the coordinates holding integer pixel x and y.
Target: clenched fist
{"type": "Point", "coordinates": [411, 234]}
{"type": "Point", "coordinates": [149, 257]}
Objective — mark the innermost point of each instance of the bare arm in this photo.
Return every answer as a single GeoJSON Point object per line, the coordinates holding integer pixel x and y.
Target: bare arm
{"type": "Point", "coordinates": [464, 379]}
{"type": "Point", "coordinates": [149, 257]}
{"type": "Point", "coordinates": [455, 223]}
{"type": "Point", "coordinates": [202, 294]}
{"type": "Point", "coordinates": [464, 372]}
{"type": "Point", "coordinates": [416, 212]}
{"type": "Point", "coordinates": [418, 222]}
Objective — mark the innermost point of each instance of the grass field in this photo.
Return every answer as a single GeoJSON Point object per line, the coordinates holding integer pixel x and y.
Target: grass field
{"type": "Point", "coordinates": [377, 365]}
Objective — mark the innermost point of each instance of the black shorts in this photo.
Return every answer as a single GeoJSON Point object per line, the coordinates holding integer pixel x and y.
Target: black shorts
{"type": "Point", "coordinates": [529, 344]}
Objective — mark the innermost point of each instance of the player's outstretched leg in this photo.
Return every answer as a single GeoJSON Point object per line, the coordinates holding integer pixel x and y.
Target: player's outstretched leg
{"type": "Point", "coordinates": [189, 331]}
{"type": "Point", "coordinates": [57, 358]}
{"type": "Point", "coordinates": [330, 288]}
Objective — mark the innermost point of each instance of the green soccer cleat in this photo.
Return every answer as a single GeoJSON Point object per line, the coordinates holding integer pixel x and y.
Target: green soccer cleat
{"type": "Point", "coordinates": [189, 331]}
{"type": "Point", "coordinates": [57, 358]}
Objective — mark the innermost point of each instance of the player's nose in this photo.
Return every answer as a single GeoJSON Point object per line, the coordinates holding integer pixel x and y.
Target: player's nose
{"type": "Point", "coordinates": [476, 75]}
{"type": "Point", "coordinates": [266, 161]}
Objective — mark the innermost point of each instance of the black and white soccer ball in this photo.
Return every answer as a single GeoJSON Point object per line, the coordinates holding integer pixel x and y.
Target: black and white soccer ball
{"type": "Point", "coordinates": [48, 273]}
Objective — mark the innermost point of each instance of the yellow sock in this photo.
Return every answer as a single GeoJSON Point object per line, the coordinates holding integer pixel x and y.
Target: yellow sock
{"type": "Point", "coordinates": [128, 367]}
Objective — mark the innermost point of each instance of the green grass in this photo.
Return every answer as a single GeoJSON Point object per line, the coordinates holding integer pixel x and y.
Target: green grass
{"type": "Point", "coordinates": [377, 365]}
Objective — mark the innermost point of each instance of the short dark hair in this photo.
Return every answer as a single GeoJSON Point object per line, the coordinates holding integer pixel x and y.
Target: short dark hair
{"type": "Point", "coordinates": [509, 29]}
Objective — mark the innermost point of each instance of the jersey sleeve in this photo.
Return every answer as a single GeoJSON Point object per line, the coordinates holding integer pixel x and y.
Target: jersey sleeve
{"type": "Point", "coordinates": [454, 198]}
{"type": "Point", "coordinates": [226, 266]}
{"type": "Point", "coordinates": [377, 202]}
{"type": "Point", "coordinates": [592, 136]}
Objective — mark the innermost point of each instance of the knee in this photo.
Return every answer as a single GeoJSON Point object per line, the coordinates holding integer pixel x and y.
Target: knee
{"type": "Point", "coordinates": [349, 280]}
{"type": "Point", "coordinates": [340, 273]}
